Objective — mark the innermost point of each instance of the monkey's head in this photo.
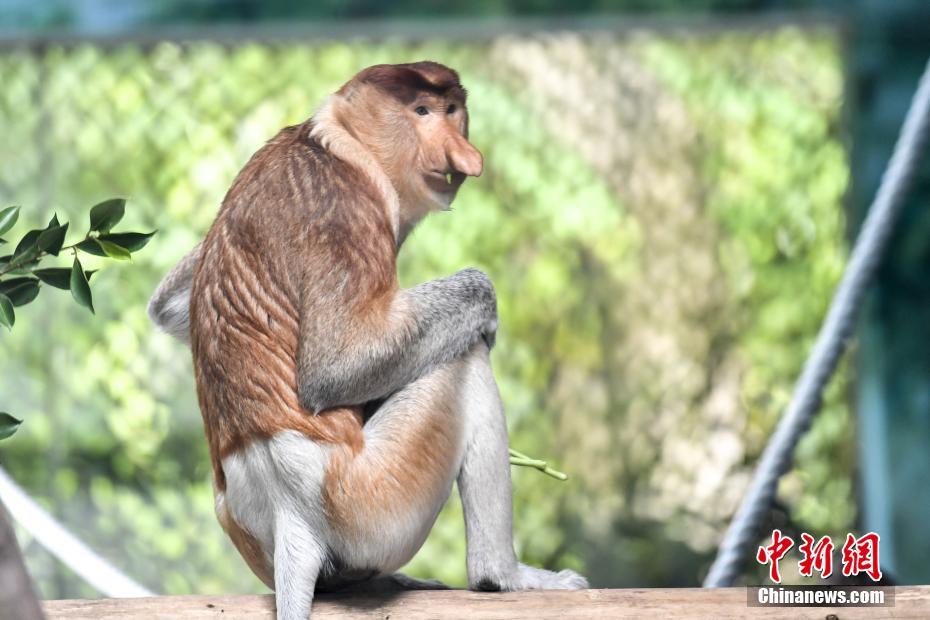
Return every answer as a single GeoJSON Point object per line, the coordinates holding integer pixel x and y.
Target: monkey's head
{"type": "Point", "coordinates": [413, 119]}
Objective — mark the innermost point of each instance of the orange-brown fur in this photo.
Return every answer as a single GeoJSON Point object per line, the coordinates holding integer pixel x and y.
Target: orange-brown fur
{"type": "Point", "coordinates": [244, 303]}
{"type": "Point", "coordinates": [247, 546]}
{"type": "Point", "coordinates": [360, 495]}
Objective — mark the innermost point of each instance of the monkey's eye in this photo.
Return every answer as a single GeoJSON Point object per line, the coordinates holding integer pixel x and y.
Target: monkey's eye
{"type": "Point", "coordinates": [421, 110]}
{"type": "Point", "coordinates": [451, 109]}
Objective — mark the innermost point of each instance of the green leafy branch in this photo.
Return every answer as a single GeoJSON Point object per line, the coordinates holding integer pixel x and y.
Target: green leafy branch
{"type": "Point", "coordinates": [21, 277]}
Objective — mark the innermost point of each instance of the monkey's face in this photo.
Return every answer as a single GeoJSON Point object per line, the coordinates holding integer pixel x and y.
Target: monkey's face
{"type": "Point", "coordinates": [414, 120]}
{"type": "Point", "coordinates": [444, 155]}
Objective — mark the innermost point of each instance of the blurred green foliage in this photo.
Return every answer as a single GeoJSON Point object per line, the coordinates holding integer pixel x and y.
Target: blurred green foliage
{"type": "Point", "coordinates": [22, 277]}
{"type": "Point", "coordinates": [661, 216]}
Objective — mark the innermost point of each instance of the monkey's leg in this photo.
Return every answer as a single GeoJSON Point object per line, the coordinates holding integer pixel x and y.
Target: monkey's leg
{"type": "Point", "coordinates": [383, 501]}
{"type": "Point", "coordinates": [485, 488]}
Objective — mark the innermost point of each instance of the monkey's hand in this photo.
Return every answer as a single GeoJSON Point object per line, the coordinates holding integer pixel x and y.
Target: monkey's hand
{"type": "Point", "coordinates": [489, 334]}
{"type": "Point", "coordinates": [482, 290]}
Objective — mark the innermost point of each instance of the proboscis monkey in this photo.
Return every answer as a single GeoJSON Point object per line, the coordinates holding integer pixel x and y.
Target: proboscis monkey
{"type": "Point", "coordinates": [339, 407]}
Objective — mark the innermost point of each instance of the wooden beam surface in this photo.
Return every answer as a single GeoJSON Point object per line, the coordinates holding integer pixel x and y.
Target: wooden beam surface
{"type": "Point", "coordinates": [675, 604]}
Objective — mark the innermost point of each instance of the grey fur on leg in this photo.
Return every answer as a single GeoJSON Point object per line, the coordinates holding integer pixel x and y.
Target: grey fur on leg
{"type": "Point", "coordinates": [486, 491]}
{"type": "Point", "coordinates": [484, 477]}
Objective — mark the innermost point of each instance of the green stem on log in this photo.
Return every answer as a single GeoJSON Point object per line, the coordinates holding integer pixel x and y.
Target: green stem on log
{"type": "Point", "coordinates": [521, 460]}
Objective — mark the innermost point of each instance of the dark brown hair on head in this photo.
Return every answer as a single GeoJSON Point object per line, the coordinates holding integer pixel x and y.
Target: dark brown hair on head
{"type": "Point", "coordinates": [405, 81]}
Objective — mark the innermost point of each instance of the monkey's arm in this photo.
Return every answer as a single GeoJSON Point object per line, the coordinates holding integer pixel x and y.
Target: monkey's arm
{"type": "Point", "coordinates": [169, 307]}
{"type": "Point", "coordinates": [348, 360]}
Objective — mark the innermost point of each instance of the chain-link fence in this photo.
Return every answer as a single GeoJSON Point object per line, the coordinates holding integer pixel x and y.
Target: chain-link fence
{"type": "Point", "coordinates": [661, 216]}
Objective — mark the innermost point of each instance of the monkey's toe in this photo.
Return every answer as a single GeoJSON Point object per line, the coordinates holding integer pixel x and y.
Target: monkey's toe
{"type": "Point", "coordinates": [571, 580]}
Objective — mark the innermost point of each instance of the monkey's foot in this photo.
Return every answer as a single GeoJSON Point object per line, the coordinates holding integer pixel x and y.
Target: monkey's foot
{"type": "Point", "coordinates": [531, 578]}
{"type": "Point", "coordinates": [387, 584]}
{"type": "Point", "coordinates": [406, 582]}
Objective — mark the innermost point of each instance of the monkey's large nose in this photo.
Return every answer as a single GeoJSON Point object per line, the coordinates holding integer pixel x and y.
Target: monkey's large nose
{"type": "Point", "coordinates": [463, 157]}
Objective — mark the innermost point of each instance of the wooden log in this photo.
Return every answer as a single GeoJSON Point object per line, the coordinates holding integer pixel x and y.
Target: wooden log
{"type": "Point", "coordinates": [674, 604]}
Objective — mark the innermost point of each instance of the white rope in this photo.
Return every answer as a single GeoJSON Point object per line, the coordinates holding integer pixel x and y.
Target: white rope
{"type": "Point", "coordinates": [831, 342]}
{"type": "Point", "coordinates": [96, 571]}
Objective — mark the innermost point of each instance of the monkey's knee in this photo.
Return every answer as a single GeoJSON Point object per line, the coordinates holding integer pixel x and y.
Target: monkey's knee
{"type": "Point", "coordinates": [478, 370]}
{"type": "Point", "coordinates": [477, 358]}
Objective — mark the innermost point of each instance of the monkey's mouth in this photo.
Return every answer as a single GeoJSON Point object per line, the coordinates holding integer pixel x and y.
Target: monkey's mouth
{"type": "Point", "coordinates": [444, 182]}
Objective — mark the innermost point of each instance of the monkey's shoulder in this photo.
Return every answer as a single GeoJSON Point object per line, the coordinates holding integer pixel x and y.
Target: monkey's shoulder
{"type": "Point", "coordinates": [295, 177]}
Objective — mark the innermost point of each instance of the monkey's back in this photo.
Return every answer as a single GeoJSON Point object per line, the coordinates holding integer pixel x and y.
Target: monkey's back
{"type": "Point", "coordinates": [246, 292]}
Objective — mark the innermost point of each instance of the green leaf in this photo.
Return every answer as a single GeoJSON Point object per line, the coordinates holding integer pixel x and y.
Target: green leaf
{"type": "Point", "coordinates": [52, 239]}
{"type": "Point", "coordinates": [80, 289]}
{"type": "Point", "coordinates": [107, 214]}
{"type": "Point", "coordinates": [8, 218]}
{"type": "Point", "coordinates": [26, 249]}
{"type": "Point", "coordinates": [7, 315]}
{"type": "Point", "coordinates": [20, 290]}
{"type": "Point", "coordinates": [59, 277]}
{"type": "Point", "coordinates": [114, 251]}
{"type": "Point", "coordinates": [132, 241]}
{"type": "Point", "coordinates": [3, 241]}
{"type": "Point", "coordinates": [8, 424]}
{"type": "Point", "coordinates": [91, 247]}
